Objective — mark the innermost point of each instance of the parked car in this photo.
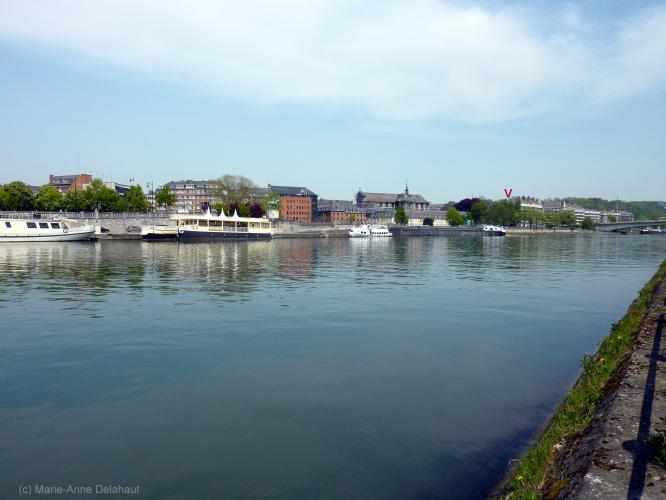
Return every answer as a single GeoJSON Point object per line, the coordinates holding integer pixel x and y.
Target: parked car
{"type": "Point", "coordinates": [133, 229]}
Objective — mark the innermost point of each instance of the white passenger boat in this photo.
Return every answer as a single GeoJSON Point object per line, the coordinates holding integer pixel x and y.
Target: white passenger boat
{"type": "Point", "coordinates": [369, 231]}
{"type": "Point", "coordinates": [651, 230]}
{"type": "Point", "coordinates": [210, 227]}
{"type": "Point", "coordinates": [18, 230]}
{"type": "Point", "coordinates": [159, 232]}
{"type": "Point", "coordinates": [493, 230]}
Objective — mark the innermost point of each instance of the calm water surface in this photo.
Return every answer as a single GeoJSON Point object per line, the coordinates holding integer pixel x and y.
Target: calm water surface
{"type": "Point", "coordinates": [409, 368]}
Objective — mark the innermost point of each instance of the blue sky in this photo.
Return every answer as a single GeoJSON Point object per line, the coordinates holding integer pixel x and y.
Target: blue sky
{"type": "Point", "coordinates": [461, 98]}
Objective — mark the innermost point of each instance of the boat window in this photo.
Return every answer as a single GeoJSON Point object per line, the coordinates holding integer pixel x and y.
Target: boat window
{"type": "Point", "coordinates": [43, 225]}
{"type": "Point", "coordinates": [31, 225]}
{"type": "Point", "coordinates": [8, 224]}
{"type": "Point", "coordinates": [55, 225]}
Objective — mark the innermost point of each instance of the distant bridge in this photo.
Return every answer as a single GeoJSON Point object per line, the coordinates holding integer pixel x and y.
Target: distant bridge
{"type": "Point", "coordinates": [616, 226]}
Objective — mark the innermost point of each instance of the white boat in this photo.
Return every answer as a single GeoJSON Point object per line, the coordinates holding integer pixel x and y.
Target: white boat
{"type": "Point", "coordinates": [651, 230]}
{"type": "Point", "coordinates": [19, 230]}
{"type": "Point", "coordinates": [369, 231]}
{"type": "Point", "coordinates": [211, 227]}
{"type": "Point", "coordinates": [493, 230]}
{"type": "Point", "coordinates": [159, 232]}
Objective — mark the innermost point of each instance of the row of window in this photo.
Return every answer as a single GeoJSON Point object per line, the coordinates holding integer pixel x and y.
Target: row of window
{"type": "Point", "coordinates": [33, 225]}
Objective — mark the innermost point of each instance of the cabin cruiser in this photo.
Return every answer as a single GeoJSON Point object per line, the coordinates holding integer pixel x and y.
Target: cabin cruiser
{"type": "Point", "coordinates": [15, 230]}
{"type": "Point", "coordinates": [367, 231]}
{"type": "Point", "coordinates": [651, 230]}
{"type": "Point", "coordinates": [208, 226]}
{"type": "Point", "coordinates": [493, 230]}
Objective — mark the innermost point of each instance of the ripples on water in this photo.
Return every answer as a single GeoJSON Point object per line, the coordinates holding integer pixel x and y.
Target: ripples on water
{"type": "Point", "coordinates": [410, 367]}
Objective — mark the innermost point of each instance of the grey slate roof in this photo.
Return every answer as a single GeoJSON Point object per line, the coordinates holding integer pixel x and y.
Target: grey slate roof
{"type": "Point", "coordinates": [337, 206]}
{"type": "Point", "coordinates": [291, 191]}
{"type": "Point", "coordinates": [392, 198]}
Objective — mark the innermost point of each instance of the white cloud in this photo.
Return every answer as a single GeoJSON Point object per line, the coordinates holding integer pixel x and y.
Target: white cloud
{"type": "Point", "coordinates": [410, 59]}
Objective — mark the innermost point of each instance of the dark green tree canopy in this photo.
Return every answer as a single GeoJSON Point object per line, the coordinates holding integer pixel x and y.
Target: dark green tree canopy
{"type": "Point", "coordinates": [48, 199]}
{"type": "Point", "coordinates": [16, 195]}
{"type": "Point", "coordinates": [478, 211]}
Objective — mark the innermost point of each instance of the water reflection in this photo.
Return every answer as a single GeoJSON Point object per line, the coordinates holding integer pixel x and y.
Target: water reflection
{"type": "Point", "coordinates": [327, 368]}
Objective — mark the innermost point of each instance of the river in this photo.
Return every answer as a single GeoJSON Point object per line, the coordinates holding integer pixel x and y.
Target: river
{"type": "Point", "coordinates": [312, 368]}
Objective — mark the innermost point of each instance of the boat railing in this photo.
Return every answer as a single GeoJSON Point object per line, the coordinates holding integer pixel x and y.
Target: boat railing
{"type": "Point", "coordinates": [225, 229]}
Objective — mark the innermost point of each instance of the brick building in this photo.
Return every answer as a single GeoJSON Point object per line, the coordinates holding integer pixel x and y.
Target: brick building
{"type": "Point", "coordinates": [191, 196]}
{"type": "Point", "coordinates": [66, 182]}
{"type": "Point", "coordinates": [340, 212]}
{"type": "Point", "coordinates": [296, 203]}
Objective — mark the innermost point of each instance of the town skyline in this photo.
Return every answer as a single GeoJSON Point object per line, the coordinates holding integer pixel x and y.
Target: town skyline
{"type": "Point", "coordinates": [315, 100]}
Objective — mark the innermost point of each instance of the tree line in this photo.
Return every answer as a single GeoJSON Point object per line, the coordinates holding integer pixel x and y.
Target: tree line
{"type": "Point", "coordinates": [17, 195]}
{"type": "Point", "coordinates": [508, 213]}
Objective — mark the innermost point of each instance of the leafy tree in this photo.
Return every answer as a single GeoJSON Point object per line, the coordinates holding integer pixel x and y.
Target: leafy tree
{"type": "Point", "coordinates": [73, 200]}
{"type": "Point", "coordinates": [428, 221]}
{"type": "Point", "coordinates": [453, 217]}
{"type": "Point", "coordinates": [400, 216]}
{"type": "Point", "coordinates": [242, 208]}
{"type": "Point", "coordinates": [466, 204]}
{"type": "Point", "coordinates": [48, 199]}
{"type": "Point", "coordinates": [504, 212]}
{"type": "Point", "coordinates": [221, 208]}
{"type": "Point", "coordinates": [351, 218]}
{"type": "Point", "coordinates": [4, 199]}
{"type": "Point", "coordinates": [135, 200]}
{"type": "Point", "coordinates": [17, 195]}
{"type": "Point", "coordinates": [231, 188]}
{"type": "Point", "coordinates": [98, 195]}
{"type": "Point", "coordinates": [257, 210]}
{"type": "Point", "coordinates": [612, 218]}
{"type": "Point", "coordinates": [531, 216]}
{"type": "Point", "coordinates": [551, 219]}
{"type": "Point", "coordinates": [164, 197]}
{"type": "Point", "coordinates": [588, 223]}
{"type": "Point", "coordinates": [478, 211]}
{"type": "Point", "coordinates": [567, 218]}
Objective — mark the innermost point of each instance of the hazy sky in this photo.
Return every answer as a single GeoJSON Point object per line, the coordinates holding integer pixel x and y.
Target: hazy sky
{"type": "Point", "coordinates": [462, 98]}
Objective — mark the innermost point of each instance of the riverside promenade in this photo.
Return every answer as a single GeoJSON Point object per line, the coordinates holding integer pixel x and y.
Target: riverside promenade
{"type": "Point", "coordinates": [611, 458]}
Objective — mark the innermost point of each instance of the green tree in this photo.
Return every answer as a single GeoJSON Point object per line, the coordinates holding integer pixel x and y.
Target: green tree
{"type": "Point", "coordinates": [17, 195]}
{"type": "Point", "coordinates": [164, 197]}
{"type": "Point", "coordinates": [48, 199]}
{"type": "Point", "coordinates": [567, 218]}
{"type": "Point", "coordinates": [454, 218]}
{"type": "Point", "coordinates": [4, 199]}
{"type": "Point", "coordinates": [135, 200]}
{"type": "Point", "coordinates": [551, 219]}
{"type": "Point", "coordinates": [221, 208]}
{"type": "Point", "coordinates": [400, 216]}
{"type": "Point", "coordinates": [231, 188]}
{"type": "Point", "coordinates": [243, 209]}
{"type": "Point", "coordinates": [588, 223]}
{"type": "Point", "coordinates": [73, 200]}
{"type": "Point", "coordinates": [98, 195]}
{"type": "Point", "coordinates": [504, 212]}
{"type": "Point", "coordinates": [478, 211]}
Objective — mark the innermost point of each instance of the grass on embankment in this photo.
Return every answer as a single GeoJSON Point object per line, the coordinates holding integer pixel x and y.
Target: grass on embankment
{"type": "Point", "coordinates": [577, 409]}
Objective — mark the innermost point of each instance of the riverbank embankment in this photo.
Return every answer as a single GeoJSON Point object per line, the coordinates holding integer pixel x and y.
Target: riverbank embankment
{"type": "Point", "coordinates": [596, 443]}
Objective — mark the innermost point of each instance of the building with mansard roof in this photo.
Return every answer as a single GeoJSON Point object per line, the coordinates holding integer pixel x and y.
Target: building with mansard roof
{"type": "Point", "coordinates": [388, 200]}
